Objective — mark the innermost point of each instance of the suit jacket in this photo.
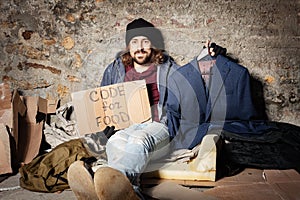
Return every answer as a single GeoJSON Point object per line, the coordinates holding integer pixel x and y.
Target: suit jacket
{"type": "Point", "coordinates": [191, 112]}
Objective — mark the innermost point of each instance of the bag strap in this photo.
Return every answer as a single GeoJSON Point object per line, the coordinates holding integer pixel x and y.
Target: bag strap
{"type": "Point", "coordinates": [58, 177]}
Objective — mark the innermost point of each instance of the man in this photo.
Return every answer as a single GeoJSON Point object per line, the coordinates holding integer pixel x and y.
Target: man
{"type": "Point", "coordinates": [129, 150]}
{"type": "Point", "coordinates": [210, 93]}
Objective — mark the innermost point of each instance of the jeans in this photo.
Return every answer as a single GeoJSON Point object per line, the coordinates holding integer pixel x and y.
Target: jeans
{"type": "Point", "coordinates": [130, 150]}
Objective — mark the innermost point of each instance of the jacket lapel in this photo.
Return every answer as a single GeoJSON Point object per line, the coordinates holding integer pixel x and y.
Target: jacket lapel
{"type": "Point", "coordinates": [220, 72]}
{"type": "Point", "coordinates": [197, 84]}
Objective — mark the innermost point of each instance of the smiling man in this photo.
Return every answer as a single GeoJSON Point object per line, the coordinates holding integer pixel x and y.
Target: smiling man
{"type": "Point", "coordinates": [130, 150]}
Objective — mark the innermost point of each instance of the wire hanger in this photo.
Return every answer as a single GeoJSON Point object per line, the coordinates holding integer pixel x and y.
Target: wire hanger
{"type": "Point", "coordinates": [203, 53]}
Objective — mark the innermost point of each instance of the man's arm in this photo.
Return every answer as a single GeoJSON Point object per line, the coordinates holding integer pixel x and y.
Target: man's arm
{"type": "Point", "coordinates": [173, 108]}
{"type": "Point", "coordinates": [107, 76]}
{"type": "Point", "coordinates": [114, 73]}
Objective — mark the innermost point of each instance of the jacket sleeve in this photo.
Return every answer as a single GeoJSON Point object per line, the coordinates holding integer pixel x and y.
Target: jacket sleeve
{"type": "Point", "coordinates": [107, 76]}
{"type": "Point", "coordinates": [173, 108]}
{"type": "Point", "coordinates": [246, 109]}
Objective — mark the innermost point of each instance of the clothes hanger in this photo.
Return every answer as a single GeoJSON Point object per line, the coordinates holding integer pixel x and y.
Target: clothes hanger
{"type": "Point", "coordinates": [205, 50]}
{"type": "Point", "coordinates": [203, 53]}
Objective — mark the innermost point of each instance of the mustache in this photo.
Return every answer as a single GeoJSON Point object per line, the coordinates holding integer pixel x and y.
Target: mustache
{"type": "Point", "coordinates": [140, 51]}
{"type": "Point", "coordinates": [126, 51]}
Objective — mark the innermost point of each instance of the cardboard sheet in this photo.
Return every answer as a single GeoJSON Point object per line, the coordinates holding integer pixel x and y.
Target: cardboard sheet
{"type": "Point", "coordinates": [5, 158]}
{"type": "Point", "coordinates": [119, 105]}
{"type": "Point", "coordinates": [29, 131]}
{"type": "Point", "coordinates": [21, 126]}
{"type": "Point", "coordinates": [28, 122]}
{"type": "Point", "coordinates": [5, 127]}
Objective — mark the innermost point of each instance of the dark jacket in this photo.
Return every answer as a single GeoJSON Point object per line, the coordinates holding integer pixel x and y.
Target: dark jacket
{"type": "Point", "coordinates": [191, 112]}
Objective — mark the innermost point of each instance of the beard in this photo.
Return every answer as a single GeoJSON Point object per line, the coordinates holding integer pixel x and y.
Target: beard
{"type": "Point", "coordinates": [141, 60]}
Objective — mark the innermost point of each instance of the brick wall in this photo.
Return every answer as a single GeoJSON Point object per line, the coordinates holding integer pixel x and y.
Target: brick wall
{"type": "Point", "coordinates": [52, 48]}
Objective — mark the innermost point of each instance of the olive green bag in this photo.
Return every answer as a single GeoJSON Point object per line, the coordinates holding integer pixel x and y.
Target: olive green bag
{"type": "Point", "coordinates": [48, 172]}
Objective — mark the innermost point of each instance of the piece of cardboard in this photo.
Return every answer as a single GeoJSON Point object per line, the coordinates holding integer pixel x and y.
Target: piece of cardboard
{"type": "Point", "coordinates": [47, 105]}
{"type": "Point", "coordinates": [5, 158]}
{"type": "Point", "coordinates": [198, 169]}
{"type": "Point", "coordinates": [30, 130]}
{"type": "Point", "coordinates": [28, 125]}
{"type": "Point", "coordinates": [18, 109]}
{"type": "Point", "coordinates": [5, 105]}
{"type": "Point", "coordinates": [5, 127]}
{"type": "Point", "coordinates": [21, 125]}
{"type": "Point", "coordinates": [5, 96]}
{"type": "Point", "coordinates": [119, 105]}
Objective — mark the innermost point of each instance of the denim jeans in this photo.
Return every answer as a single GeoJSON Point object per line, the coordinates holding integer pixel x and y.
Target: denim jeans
{"type": "Point", "coordinates": [130, 150]}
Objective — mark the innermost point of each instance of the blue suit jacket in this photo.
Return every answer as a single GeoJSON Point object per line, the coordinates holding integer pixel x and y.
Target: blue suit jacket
{"type": "Point", "coordinates": [229, 106]}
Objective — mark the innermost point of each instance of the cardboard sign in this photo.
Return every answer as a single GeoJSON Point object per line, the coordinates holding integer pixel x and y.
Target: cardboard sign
{"type": "Point", "coordinates": [119, 105]}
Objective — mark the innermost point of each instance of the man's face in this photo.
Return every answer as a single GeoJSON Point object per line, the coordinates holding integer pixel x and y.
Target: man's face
{"type": "Point", "coordinates": [140, 49]}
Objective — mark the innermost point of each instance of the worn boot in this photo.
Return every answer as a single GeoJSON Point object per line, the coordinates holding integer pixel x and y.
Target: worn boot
{"type": "Point", "coordinates": [111, 184]}
{"type": "Point", "coordinates": [81, 181]}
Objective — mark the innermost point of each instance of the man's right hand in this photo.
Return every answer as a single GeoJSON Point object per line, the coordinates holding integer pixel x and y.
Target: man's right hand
{"type": "Point", "coordinates": [216, 50]}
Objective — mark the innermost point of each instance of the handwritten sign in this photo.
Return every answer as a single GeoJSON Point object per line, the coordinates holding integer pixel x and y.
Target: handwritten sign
{"type": "Point", "coordinates": [118, 105]}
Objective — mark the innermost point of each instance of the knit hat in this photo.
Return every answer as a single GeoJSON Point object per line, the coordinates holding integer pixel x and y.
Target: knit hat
{"type": "Point", "coordinates": [141, 27]}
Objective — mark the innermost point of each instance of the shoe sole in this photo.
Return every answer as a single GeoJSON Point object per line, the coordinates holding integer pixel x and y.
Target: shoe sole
{"type": "Point", "coordinates": [111, 184]}
{"type": "Point", "coordinates": [81, 182]}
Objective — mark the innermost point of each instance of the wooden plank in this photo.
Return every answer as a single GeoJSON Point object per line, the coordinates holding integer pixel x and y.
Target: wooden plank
{"type": "Point", "coordinates": [174, 191]}
{"type": "Point", "coordinates": [146, 182]}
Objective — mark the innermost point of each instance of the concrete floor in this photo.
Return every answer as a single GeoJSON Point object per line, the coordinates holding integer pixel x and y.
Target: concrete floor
{"type": "Point", "coordinates": [18, 193]}
{"type": "Point", "coordinates": [247, 185]}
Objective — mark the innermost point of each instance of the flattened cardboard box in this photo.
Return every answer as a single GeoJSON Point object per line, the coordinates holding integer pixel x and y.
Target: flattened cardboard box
{"type": "Point", "coordinates": [5, 158]}
{"type": "Point", "coordinates": [28, 122]}
{"type": "Point", "coordinates": [20, 127]}
{"type": "Point", "coordinates": [26, 132]}
{"type": "Point", "coordinates": [119, 105]}
{"type": "Point", "coordinates": [5, 125]}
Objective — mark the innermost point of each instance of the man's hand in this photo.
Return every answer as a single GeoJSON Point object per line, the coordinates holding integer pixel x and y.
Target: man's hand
{"type": "Point", "coordinates": [214, 49]}
{"type": "Point", "coordinates": [109, 131]}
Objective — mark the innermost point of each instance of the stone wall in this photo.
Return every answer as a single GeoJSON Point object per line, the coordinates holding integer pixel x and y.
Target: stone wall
{"type": "Point", "coordinates": [51, 48]}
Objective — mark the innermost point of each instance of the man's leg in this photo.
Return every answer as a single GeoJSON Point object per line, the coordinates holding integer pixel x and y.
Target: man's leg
{"type": "Point", "coordinates": [130, 150]}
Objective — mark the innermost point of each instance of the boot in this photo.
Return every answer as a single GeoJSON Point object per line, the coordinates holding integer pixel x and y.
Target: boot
{"type": "Point", "coordinates": [111, 184]}
{"type": "Point", "coordinates": [81, 181]}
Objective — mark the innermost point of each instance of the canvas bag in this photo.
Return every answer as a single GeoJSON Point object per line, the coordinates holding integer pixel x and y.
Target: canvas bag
{"type": "Point", "coordinates": [48, 172]}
